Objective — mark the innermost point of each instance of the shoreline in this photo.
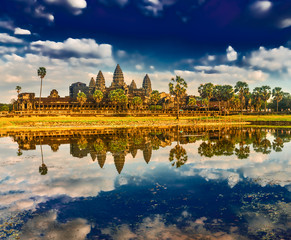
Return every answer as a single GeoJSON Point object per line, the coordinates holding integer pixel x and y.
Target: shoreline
{"type": "Point", "coordinates": [34, 124]}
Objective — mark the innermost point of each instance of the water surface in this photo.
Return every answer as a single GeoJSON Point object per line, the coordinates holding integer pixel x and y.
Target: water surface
{"type": "Point", "coordinates": [175, 183]}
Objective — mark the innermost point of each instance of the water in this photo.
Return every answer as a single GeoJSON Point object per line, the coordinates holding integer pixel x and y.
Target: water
{"type": "Point", "coordinates": [174, 183]}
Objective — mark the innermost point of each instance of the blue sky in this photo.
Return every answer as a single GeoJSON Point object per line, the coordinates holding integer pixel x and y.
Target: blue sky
{"type": "Point", "coordinates": [218, 41]}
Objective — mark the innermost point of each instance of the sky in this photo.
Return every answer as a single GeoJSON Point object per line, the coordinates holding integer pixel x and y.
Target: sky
{"type": "Point", "coordinates": [218, 41]}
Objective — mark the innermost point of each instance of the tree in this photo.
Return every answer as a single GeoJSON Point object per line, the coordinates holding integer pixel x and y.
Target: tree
{"type": "Point", "coordinates": [192, 101]}
{"type": "Point", "coordinates": [136, 102]}
{"type": "Point", "coordinates": [98, 96]}
{"type": "Point", "coordinates": [118, 97]}
{"type": "Point", "coordinates": [205, 102]}
{"type": "Point", "coordinates": [248, 101]}
{"type": "Point", "coordinates": [206, 92]}
{"type": "Point", "coordinates": [277, 94]}
{"type": "Point", "coordinates": [218, 93]}
{"type": "Point", "coordinates": [82, 98]}
{"type": "Point", "coordinates": [265, 94]}
{"type": "Point", "coordinates": [227, 93]}
{"type": "Point", "coordinates": [4, 108]}
{"type": "Point", "coordinates": [242, 88]}
{"type": "Point", "coordinates": [178, 87]}
{"type": "Point", "coordinates": [256, 98]}
{"type": "Point", "coordinates": [155, 97]}
{"type": "Point", "coordinates": [18, 90]}
{"type": "Point", "coordinates": [235, 102]}
{"type": "Point", "coordinates": [41, 72]}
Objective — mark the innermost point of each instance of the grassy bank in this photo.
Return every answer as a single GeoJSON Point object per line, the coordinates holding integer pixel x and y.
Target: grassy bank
{"type": "Point", "coordinates": [42, 123]}
{"type": "Point", "coordinates": [36, 123]}
{"type": "Point", "coordinates": [264, 118]}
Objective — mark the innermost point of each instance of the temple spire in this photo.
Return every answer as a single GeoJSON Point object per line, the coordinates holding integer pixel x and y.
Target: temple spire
{"type": "Point", "coordinates": [92, 83]}
{"type": "Point", "coordinates": [132, 85]}
{"type": "Point", "coordinates": [147, 85]}
{"type": "Point", "coordinates": [100, 81]}
{"type": "Point", "coordinates": [118, 79]}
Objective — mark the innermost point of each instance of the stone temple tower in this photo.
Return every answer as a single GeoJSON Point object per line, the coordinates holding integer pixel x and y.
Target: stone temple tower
{"type": "Point", "coordinates": [147, 85]}
{"type": "Point", "coordinates": [118, 79]}
{"type": "Point", "coordinates": [91, 86]}
{"type": "Point", "coordinates": [100, 81]}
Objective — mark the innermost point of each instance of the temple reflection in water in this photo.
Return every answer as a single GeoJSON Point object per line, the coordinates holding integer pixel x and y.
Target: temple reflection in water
{"type": "Point", "coordinates": [213, 141]}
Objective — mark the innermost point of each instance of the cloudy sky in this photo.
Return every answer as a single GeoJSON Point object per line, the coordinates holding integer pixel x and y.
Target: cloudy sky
{"type": "Point", "coordinates": [218, 41]}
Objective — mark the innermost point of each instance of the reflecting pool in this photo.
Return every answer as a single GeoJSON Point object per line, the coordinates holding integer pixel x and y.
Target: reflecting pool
{"type": "Point", "coordinates": [146, 183]}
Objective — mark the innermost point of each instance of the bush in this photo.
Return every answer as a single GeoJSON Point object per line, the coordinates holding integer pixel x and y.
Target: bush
{"type": "Point", "coordinates": [4, 108]}
{"type": "Point", "coordinates": [155, 107]}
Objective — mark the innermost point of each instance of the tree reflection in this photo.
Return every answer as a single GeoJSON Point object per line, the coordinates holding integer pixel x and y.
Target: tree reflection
{"type": "Point", "coordinates": [278, 144]}
{"type": "Point", "coordinates": [178, 155]}
{"type": "Point", "coordinates": [242, 152]}
{"type": "Point", "coordinates": [264, 147]}
{"type": "Point", "coordinates": [43, 168]}
{"type": "Point", "coordinates": [214, 141]}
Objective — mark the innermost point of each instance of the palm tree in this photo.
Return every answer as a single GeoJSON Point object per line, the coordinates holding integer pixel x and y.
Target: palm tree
{"type": "Point", "coordinates": [256, 98]}
{"type": "Point", "coordinates": [235, 102]}
{"type": "Point", "coordinates": [98, 96]}
{"type": "Point", "coordinates": [118, 97]}
{"type": "Point", "coordinates": [277, 94]}
{"type": "Point", "coordinates": [218, 93]}
{"type": "Point", "coordinates": [192, 101]}
{"type": "Point", "coordinates": [155, 97]}
{"type": "Point", "coordinates": [18, 90]}
{"type": "Point", "coordinates": [41, 72]}
{"type": "Point", "coordinates": [205, 102]}
{"type": "Point", "coordinates": [136, 102]}
{"type": "Point", "coordinates": [242, 88]}
{"type": "Point", "coordinates": [227, 93]}
{"type": "Point", "coordinates": [82, 98]}
{"type": "Point", "coordinates": [178, 88]}
{"type": "Point", "coordinates": [265, 94]}
{"type": "Point", "coordinates": [206, 92]}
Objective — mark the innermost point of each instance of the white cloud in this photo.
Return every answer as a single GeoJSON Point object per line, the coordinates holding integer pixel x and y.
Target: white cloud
{"type": "Point", "coordinates": [261, 6]}
{"type": "Point", "coordinates": [4, 50]}
{"type": "Point", "coordinates": [7, 25]}
{"type": "Point", "coordinates": [5, 38]}
{"type": "Point", "coordinates": [75, 5]}
{"type": "Point", "coordinates": [21, 70]}
{"type": "Point", "coordinates": [21, 31]}
{"type": "Point", "coordinates": [154, 1]}
{"type": "Point", "coordinates": [285, 23]}
{"type": "Point", "coordinates": [47, 225]}
{"type": "Point", "coordinates": [231, 54]}
{"type": "Point", "coordinates": [121, 53]}
{"type": "Point", "coordinates": [73, 47]}
{"type": "Point", "coordinates": [139, 67]}
{"type": "Point", "coordinates": [155, 7]}
{"type": "Point", "coordinates": [220, 74]}
{"type": "Point", "coordinates": [211, 58]}
{"type": "Point", "coordinates": [40, 12]}
{"type": "Point", "coordinates": [275, 59]}
{"type": "Point", "coordinates": [152, 67]}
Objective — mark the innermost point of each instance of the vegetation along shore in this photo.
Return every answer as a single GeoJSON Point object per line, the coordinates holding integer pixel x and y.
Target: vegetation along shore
{"type": "Point", "coordinates": [52, 123]}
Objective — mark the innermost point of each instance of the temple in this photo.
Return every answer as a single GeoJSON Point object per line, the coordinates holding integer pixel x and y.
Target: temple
{"type": "Point", "coordinates": [28, 101]}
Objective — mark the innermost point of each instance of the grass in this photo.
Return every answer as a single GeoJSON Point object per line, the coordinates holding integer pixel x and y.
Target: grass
{"type": "Point", "coordinates": [264, 118]}
{"type": "Point", "coordinates": [65, 122]}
